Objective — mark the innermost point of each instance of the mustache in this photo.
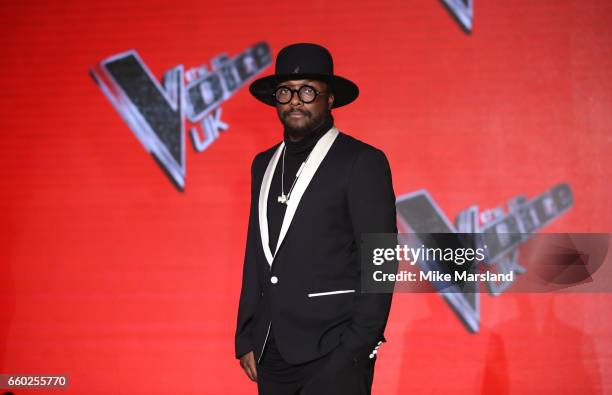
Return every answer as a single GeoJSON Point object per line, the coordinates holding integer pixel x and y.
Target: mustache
{"type": "Point", "coordinates": [303, 112]}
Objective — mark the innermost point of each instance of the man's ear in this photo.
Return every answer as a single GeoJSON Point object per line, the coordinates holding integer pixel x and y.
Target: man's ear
{"type": "Point", "coordinates": [330, 101]}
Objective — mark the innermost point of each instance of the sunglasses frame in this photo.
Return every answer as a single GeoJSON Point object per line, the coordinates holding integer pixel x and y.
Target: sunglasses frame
{"type": "Point", "coordinates": [317, 93]}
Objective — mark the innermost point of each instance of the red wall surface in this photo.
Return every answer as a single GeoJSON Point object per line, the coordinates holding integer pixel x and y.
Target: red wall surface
{"type": "Point", "coordinates": [112, 276]}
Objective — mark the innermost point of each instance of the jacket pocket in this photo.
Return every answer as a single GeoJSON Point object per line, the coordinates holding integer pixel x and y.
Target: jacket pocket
{"type": "Point", "coordinates": [341, 291]}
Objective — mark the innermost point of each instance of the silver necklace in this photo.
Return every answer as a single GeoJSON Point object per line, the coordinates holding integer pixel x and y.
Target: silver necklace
{"type": "Point", "coordinates": [284, 199]}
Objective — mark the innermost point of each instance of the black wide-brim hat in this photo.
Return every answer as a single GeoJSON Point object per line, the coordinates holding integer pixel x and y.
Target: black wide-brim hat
{"type": "Point", "coordinates": [305, 61]}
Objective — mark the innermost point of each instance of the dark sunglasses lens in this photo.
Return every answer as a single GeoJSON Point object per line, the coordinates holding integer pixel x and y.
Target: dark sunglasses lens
{"type": "Point", "coordinates": [283, 95]}
{"type": "Point", "coordinates": [307, 94]}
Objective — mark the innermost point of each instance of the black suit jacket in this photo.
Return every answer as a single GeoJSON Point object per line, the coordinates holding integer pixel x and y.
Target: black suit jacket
{"type": "Point", "coordinates": [309, 288]}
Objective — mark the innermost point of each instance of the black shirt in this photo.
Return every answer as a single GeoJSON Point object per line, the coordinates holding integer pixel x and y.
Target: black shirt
{"type": "Point", "coordinates": [295, 154]}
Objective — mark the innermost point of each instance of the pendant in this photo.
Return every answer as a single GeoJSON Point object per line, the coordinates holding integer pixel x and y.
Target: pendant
{"type": "Point", "coordinates": [282, 199]}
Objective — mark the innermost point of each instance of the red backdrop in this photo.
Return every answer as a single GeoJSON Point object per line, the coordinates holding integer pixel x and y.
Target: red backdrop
{"type": "Point", "coordinates": [113, 277]}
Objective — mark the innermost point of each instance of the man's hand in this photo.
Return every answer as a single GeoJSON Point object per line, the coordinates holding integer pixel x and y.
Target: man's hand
{"type": "Point", "coordinates": [247, 362]}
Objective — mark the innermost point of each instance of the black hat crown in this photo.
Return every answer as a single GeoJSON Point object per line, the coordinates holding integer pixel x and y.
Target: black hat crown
{"type": "Point", "coordinates": [305, 61]}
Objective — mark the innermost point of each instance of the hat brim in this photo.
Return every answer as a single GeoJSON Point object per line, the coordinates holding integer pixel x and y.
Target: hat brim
{"type": "Point", "coordinates": [345, 91]}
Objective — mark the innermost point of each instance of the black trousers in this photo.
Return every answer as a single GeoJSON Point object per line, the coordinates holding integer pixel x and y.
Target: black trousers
{"type": "Point", "coordinates": [337, 373]}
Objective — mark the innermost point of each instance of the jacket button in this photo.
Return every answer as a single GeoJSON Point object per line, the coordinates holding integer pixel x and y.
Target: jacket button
{"type": "Point", "coordinates": [274, 279]}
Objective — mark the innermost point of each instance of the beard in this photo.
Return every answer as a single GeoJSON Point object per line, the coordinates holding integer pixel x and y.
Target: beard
{"type": "Point", "coordinates": [308, 125]}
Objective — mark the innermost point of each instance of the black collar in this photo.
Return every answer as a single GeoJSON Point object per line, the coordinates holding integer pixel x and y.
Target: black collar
{"type": "Point", "coordinates": [307, 142]}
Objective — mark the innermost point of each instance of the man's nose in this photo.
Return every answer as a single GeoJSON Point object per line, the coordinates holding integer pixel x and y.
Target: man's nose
{"type": "Point", "coordinates": [295, 99]}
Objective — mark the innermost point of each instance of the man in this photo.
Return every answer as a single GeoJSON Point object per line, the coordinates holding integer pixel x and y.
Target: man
{"type": "Point", "coordinates": [304, 327]}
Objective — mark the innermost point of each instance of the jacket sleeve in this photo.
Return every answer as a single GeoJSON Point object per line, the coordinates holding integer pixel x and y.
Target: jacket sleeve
{"type": "Point", "coordinates": [251, 289]}
{"type": "Point", "coordinates": [371, 201]}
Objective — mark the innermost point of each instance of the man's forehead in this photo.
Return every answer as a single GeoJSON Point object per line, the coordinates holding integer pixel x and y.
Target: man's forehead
{"type": "Point", "coordinates": [300, 82]}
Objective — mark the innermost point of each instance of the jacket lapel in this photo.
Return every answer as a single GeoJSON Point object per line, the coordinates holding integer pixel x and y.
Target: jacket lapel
{"type": "Point", "coordinates": [263, 203]}
{"type": "Point", "coordinates": [312, 164]}
{"type": "Point", "coordinates": [316, 157]}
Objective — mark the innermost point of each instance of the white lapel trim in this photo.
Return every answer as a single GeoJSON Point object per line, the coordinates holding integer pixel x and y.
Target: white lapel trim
{"type": "Point", "coordinates": [316, 157]}
{"type": "Point", "coordinates": [312, 164]}
{"type": "Point", "coordinates": [263, 203]}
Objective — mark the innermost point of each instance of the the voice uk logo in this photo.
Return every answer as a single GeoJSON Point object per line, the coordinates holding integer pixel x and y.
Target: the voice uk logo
{"type": "Point", "coordinates": [159, 113]}
{"type": "Point", "coordinates": [564, 261]}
